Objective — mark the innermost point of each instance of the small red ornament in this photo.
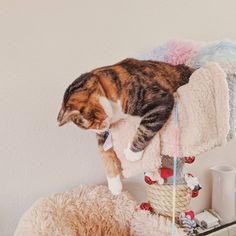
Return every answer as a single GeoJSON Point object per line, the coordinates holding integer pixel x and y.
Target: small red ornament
{"type": "Point", "coordinates": [194, 194]}
{"type": "Point", "coordinates": [190, 214]}
{"type": "Point", "coordinates": [146, 206]}
{"type": "Point", "coordinates": [189, 160]}
{"type": "Point", "coordinates": [148, 180]}
{"type": "Point", "coordinates": [190, 175]}
{"type": "Point", "coordinates": [166, 172]}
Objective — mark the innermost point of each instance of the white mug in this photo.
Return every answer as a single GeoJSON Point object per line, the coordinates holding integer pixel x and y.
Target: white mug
{"type": "Point", "coordinates": [223, 192]}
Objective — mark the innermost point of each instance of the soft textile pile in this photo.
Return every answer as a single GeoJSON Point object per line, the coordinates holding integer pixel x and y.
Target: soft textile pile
{"type": "Point", "coordinates": [91, 210]}
{"type": "Point", "coordinates": [203, 122]}
{"type": "Point", "coordinates": [87, 210]}
{"type": "Point", "coordinates": [196, 54]}
{"type": "Point", "coordinates": [175, 52]}
{"type": "Point", "coordinates": [224, 53]}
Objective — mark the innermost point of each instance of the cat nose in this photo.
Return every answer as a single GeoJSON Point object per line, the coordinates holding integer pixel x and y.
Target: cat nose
{"type": "Point", "coordinates": [61, 123]}
{"type": "Point", "coordinates": [60, 118]}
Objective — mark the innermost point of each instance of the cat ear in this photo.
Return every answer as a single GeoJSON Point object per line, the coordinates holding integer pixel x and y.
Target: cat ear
{"type": "Point", "coordinates": [65, 116]}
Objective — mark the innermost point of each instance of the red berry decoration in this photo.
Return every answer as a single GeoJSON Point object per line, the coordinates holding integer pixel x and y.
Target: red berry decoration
{"type": "Point", "coordinates": [189, 160]}
{"type": "Point", "coordinates": [166, 172]}
{"type": "Point", "coordinates": [148, 180]}
{"type": "Point", "coordinates": [146, 206]}
{"type": "Point", "coordinates": [190, 175]}
{"type": "Point", "coordinates": [190, 214]}
{"type": "Point", "coordinates": [194, 194]}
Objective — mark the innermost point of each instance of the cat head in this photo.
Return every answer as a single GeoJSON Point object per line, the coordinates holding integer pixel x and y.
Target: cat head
{"type": "Point", "coordinates": [84, 104]}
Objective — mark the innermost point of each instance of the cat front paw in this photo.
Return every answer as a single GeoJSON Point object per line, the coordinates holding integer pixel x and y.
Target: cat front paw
{"type": "Point", "coordinates": [114, 185]}
{"type": "Point", "coordinates": [132, 156]}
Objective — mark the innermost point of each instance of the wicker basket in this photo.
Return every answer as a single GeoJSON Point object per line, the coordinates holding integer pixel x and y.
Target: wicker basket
{"type": "Point", "coordinates": [160, 198]}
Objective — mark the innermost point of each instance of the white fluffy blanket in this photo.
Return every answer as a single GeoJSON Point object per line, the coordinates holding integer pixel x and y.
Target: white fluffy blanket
{"type": "Point", "coordinates": [203, 122]}
{"type": "Point", "coordinates": [88, 211]}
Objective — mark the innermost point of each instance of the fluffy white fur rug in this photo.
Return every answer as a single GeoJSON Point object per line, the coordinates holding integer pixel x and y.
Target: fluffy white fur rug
{"type": "Point", "coordinates": [203, 122]}
{"type": "Point", "coordinates": [88, 211]}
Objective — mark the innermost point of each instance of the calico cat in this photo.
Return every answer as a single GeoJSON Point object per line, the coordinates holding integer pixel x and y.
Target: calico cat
{"type": "Point", "coordinates": [98, 99]}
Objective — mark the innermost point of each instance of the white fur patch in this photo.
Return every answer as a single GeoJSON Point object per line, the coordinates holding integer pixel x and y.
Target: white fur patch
{"type": "Point", "coordinates": [117, 112]}
{"type": "Point", "coordinates": [114, 184]}
{"type": "Point", "coordinates": [112, 109]}
{"type": "Point", "coordinates": [106, 105]}
{"type": "Point", "coordinates": [132, 156]}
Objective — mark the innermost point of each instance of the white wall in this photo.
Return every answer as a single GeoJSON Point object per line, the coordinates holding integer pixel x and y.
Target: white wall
{"type": "Point", "coordinates": [44, 45]}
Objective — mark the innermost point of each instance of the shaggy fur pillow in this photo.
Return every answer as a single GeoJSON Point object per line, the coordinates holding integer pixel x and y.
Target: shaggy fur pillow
{"type": "Point", "coordinates": [88, 211]}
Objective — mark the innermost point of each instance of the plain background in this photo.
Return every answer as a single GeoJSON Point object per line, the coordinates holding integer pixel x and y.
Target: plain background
{"type": "Point", "coordinates": [44, 46]}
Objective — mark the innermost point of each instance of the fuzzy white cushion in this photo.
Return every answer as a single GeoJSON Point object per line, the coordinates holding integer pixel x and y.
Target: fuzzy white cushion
{"type": "Point", "coordinates": [88, 211]}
